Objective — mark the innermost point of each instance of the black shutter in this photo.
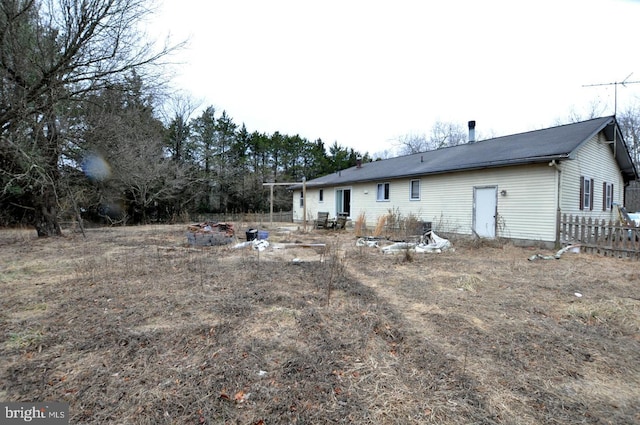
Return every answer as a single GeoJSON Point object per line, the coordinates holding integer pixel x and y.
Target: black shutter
{"type": "Point", "coordinates": [604, 196]}
{"type": "Point", "coordinates": [591, 195]}
{"type": "Point", "coordinates": [581, 192]}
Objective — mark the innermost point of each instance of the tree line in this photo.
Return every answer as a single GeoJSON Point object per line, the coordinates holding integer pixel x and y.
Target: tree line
{"type": "Point", "coordinates": [119, 162]}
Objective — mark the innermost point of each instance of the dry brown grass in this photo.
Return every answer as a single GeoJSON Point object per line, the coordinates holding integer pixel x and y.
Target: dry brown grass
{"type": "Point", "coordinates": [382, 220]}
{"type": "Point", "coordinates": [360, 224]}
{"type": "Point", "coordinates": [131, 326]}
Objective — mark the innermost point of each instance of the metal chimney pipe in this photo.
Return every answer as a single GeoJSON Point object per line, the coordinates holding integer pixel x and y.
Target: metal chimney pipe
{"type": "Point", "coordinates": [359, 162]}
{"type": "Point", "coordinates": [472, 131]}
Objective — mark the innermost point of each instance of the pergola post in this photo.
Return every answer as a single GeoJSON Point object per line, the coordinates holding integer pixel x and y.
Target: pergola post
{"type": "Point", "coordinates": [304, 202]}
{"type": "Point", "coordinates": [271, 197]}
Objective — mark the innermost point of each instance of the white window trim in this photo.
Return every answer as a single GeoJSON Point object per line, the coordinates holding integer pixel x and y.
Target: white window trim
{"type": "Point", "coordinates": [378, 199]}
{"type": "Point", "coordinates": [411, 198]}
{"type": "Point", "coordinates": [587, 206]}
{"type": "Point", "coordinates": [608, 196]}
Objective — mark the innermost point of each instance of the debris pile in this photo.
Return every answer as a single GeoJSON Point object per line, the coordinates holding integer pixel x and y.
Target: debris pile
{"type": "Point", "coordinates": [572, 248]}
{"type": "Point", "coordinates": [370, 241]}
{"type": "Point", "coordinates": [257, 244]}
{"type": "Point", "coordinates": [429, 242]}
{"type": "Point", "coordinates": [210, 233]}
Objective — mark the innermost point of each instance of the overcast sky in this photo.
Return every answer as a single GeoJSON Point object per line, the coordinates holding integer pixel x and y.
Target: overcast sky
{"type": "Point", "coordinates": [364, 73]}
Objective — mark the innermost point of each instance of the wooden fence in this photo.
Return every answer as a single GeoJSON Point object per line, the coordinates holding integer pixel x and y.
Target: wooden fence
{"type": "Point", "coordinates": [599, 236]}
{"type": "Point", "coordinates": [278, 217]}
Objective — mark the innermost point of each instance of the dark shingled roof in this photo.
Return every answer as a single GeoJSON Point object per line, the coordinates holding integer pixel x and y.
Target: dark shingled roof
{"type": "Point", "coordinates": [532, 147]}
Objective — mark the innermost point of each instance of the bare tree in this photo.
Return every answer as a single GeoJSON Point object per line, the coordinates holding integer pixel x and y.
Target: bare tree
{"type": "Point", "coordinates": [179, 111]}
{"type": "Point", "coordinates": [595, 109]}
{"type": "Point", "coordinates": [53, 53]}
{"type": "Point", "coordinates": [629, 121]}
{"type": "Point", "coordinates": [127, 144]}
{"type": "Point", "coordinates": [443, 134]}
{"type": "Point", "coordinates": [412, 143]}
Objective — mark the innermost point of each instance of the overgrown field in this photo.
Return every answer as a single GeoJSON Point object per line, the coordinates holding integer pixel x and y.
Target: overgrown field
{"type": "Point", "coordinates": [130, 326]}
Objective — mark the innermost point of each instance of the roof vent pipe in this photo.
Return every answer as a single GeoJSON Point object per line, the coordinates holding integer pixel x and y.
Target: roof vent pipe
{"type": "Point", "coordinates": [359, 162]}
{"type": "Point", "coordinates": [472, 131]}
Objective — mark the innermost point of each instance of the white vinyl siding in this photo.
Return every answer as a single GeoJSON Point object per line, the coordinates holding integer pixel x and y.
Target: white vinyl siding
{"type": "Point", "coordinates": [528, 211]}
{"type": "Point", "coordinates": [313, 203]}
{"type": "Point", "coordinates": [594, 160]}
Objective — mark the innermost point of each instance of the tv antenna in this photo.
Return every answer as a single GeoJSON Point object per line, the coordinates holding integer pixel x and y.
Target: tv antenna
{"type": "Point", "coordinates": [622, 83]}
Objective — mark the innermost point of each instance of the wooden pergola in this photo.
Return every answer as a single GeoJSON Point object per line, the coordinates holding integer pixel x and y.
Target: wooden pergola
{"type": "Point", "coordinates": [304, 199]}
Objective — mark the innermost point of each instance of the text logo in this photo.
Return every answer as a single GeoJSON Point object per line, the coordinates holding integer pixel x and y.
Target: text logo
{"type": "Point", "coordinates": [52, 413]}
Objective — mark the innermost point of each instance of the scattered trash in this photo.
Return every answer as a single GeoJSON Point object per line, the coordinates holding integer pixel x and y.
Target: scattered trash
{"type": "Point", "coordinates": [572, 248]}
{"type": "Point", "coordinates": [578, 294]}
{"type": "Point", "coordinates": [259, 244]}
{"type": "Point", "coordinates": [433, 243]}
{"type": "Point", "coordinates": [398, 247]}
{"type": "Point", "coordinates": [430, 242]}
{"type": "Point", "coordinates": [251, 234]}
{"type": "Point", "coordinates": [210, 233]}
{"type": "Point", "coordinates": [262, 373]}
{"type": "Point", "coordinates": [542, 257]}
{"type": "Point", "coordinates": [371, 242]}
{"type": "Point", "coordinates": [296, 261]}
{"type": "Point", "coordinates": [635, 218]}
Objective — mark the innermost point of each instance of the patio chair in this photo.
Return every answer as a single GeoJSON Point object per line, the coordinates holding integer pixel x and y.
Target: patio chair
{"type": "Point", "coordinates": [322, 222]}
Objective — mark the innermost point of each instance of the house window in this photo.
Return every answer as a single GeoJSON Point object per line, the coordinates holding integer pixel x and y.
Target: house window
{"type": "Point", "coordinates": [343, 201]}
{"type": "Point", "coordinates": [607, 196]}
{"type": "Point", "coordinates": [320, 195]}
{"type": "Point", "coordinates": [383, 192]}
{"type": "Point", "coordinates": [414, 189]}
{"type": "Point", "coordinates": [301, 199]}
{"type": "Point", "coordinates": [586, 193]}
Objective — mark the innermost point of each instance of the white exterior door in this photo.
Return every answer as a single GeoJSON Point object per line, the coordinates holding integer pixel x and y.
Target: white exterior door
{"type": "Point", "coordinates": [484, 215]}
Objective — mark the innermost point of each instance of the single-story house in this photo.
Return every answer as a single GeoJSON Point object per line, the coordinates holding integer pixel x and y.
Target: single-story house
{"type": "Point", "coordinates": [513, 187]}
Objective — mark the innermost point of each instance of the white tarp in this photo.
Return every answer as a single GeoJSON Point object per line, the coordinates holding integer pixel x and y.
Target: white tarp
{"type": "Point", "coordinates": [259, 244]}
{"type": "Point", "coordinates": [635, 217]}
{"type": "Point", "coordinates": [433, 243]}
{"type": "Point", "coordinates": [430, 242]}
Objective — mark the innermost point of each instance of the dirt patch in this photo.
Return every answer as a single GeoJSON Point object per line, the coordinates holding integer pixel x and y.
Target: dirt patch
{"type": "Point", "coordinates": [130, 325]}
